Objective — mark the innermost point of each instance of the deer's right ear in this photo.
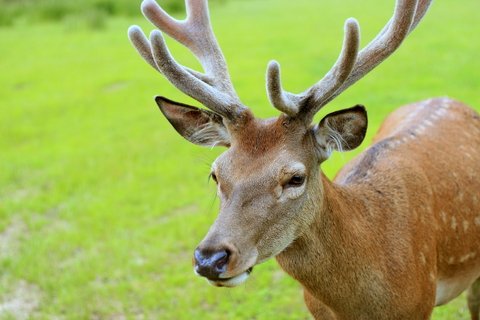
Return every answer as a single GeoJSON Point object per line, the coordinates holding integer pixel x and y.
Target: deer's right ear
{"type": "Point", "coordinates": [199, 126]}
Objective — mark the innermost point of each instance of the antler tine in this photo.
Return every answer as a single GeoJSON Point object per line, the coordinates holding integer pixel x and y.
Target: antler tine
{"type": "Point", "coordinates": [349, 68]}
{"type": "Point", "coordinates": [421, 9]}
{"type": "Point", "coordinates": [284, 101]}
{"type": "Point", "coordinates": [292, 104]}
{"type": "Point", "coordinates": [213, 88]}
{"type": "Point", "coordinates": [407, 15]}
{"type": "Point", "coordinates": [141, 43]}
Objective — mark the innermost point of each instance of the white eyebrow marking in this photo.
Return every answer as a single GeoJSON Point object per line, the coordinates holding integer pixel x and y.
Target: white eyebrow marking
{"type": "Point", "coordinates": [297, 167]}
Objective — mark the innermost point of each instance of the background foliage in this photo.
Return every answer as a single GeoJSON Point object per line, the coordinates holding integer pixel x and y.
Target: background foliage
{"type": "Point", "coordinates": [102, 203]}
{"type": "Point", "coordinates": [92, 12]}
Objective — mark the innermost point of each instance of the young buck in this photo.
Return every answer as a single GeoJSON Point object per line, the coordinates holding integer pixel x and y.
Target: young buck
{"type": "Point", "coordinates": [398, 230]}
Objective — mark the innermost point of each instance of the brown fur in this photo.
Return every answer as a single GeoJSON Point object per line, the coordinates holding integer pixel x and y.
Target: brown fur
{"type": "Point", "coordinates": [395, 234]}
{"type": "Point", "coordinates": [398, 230]}
{"type": "Point", "coordinates": [380, 242]}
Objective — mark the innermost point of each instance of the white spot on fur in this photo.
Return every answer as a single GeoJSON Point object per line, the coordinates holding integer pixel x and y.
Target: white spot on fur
{"type": "Point", "coordinates": [421, 128]}
{"type": "Point", "coordinates": [446, 101]}
{"type": "Point", "coordinates": [423, 260]}
{"type": "Point", "coordinates": [422, 218]}
{"type": "Point", "coordinates": [441, 112]}
{"type": "Point", "coordinates": [465, 225]}
{"type": "Point", "coordinates": [454, 223]}
{"type": "Point", "coordinates": [467, 257]}
{"type": "Point", "coordinates": [428, 123]}
{"type": "Point", "coordinates": [451, 260]}
{"type": "Point", "coordinates": [444, 216]}
{"type": "Point", "coordinates": [477, 221]}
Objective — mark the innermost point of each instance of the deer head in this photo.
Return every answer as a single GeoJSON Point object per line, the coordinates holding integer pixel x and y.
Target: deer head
{"type": "Point", "coordinates": [268, 179]}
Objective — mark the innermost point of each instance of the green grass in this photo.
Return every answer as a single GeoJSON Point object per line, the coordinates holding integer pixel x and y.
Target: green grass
{"type": "Point", "coordinates": [102, 203]}
{"type": "Point", "coordinates": [89, 13]}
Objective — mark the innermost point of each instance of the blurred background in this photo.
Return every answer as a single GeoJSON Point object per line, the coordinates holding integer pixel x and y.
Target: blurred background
{"type": "Point", "coordinates": [102, 203]}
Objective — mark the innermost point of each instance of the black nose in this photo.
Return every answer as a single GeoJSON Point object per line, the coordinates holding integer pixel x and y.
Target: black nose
{"type": "Point", "coordinates": [210, 263]}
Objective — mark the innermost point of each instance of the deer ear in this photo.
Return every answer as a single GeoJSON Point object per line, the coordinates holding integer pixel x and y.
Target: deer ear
{"type": "Point", "coordinates": [199, 126]}
{"type": "Point", "coordinates": [342, 130]}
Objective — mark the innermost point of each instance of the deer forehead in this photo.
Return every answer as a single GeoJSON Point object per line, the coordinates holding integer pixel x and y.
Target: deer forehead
{"type": "Point", "coordinates": [259, 136]}
{"type": "Point", "coordinates": [265, 147]}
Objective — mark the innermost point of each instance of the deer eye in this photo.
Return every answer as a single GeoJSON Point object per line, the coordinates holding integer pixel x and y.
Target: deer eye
{"type": "Point", "coordinates": [214, 177]}
{"type": "Point", "coordinates": [295, 181]}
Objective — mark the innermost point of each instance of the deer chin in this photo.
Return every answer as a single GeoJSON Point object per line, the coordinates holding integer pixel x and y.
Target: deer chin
{"type": "Point", "coordinates": [232, 281]}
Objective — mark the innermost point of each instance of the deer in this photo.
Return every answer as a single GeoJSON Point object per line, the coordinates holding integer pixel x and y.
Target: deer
{"type": "Point", "coordinates": [394, 234]}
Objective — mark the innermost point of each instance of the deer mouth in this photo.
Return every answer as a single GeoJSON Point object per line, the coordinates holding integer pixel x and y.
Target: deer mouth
{"type": "Point", "coordinates": [232, 281]}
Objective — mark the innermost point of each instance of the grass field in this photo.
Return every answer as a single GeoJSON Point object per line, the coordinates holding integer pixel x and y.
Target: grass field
{"type": "Point", "coordinates": [102, 203]}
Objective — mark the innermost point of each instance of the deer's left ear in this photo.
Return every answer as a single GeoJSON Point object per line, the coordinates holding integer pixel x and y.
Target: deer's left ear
{"type": "Point", "coordinates": [199, 126]}
{"type": "Point", "coordinates": [342, 130]}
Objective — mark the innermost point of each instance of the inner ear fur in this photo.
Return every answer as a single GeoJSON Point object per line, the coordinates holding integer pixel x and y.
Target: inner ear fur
{"type": "Point", "coordinates": [199, 126]}
{"type": "Point", "coordinates": [342, 130]}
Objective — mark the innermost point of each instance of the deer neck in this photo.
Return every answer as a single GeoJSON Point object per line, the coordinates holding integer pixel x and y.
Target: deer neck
{"type": "Point", "coordinates": [335, 245]}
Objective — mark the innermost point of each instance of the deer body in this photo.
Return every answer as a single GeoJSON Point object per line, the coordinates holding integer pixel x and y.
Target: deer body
{"type": "Point", "coordinates": [395, 234]}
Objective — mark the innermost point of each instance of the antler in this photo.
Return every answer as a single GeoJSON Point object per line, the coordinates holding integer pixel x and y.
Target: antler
{"type": "Point", "coordinates": [351, 65]}
{"type": "Point", "coordinates": [213, 88]}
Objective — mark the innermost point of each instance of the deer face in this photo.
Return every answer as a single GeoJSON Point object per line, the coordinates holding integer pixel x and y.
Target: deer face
{"type": "Point", "coordinates": [267, 182]}
{"type": "Point", "coordinates": [262, 186]}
